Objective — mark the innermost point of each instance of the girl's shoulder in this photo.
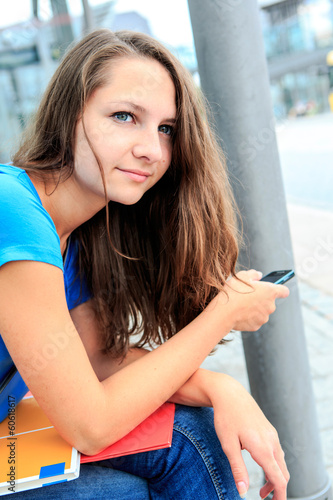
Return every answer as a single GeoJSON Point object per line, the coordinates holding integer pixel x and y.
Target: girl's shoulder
{"type": "Point", "coordinates": [14, 180]}
{"type": "Point", "coordinates": [27, 231]}
{"type": "Point", "coordinates": [6, 168]}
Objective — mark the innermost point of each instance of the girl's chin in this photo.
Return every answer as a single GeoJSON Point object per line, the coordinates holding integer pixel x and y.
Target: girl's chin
{"type": "Point", "coordinates": [126, 200]}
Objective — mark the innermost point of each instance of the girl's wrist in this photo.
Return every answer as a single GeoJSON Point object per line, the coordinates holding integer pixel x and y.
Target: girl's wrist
{"type": "Point", "coordinates": [200, 390]}
{"type": "Point", "coordinates": [219, 386]}
{"type": "Point", "coordinates": [213, 386]}
{"type": "Point", "coordinates": [226, 304]}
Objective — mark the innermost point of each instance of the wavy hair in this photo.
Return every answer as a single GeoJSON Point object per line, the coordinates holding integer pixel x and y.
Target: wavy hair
{"type": "Point", "coordinates": [172, 251]}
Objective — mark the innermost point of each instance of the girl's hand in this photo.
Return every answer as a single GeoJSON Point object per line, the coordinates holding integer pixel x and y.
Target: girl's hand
{"type": "Point", "coordinates": [251, 300]}
{"type": "Point", "coordinates": [241, 425]}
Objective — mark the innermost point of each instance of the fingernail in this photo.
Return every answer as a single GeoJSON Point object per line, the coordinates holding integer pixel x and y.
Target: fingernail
{"type": "Point", "coordinates": [242, 489]}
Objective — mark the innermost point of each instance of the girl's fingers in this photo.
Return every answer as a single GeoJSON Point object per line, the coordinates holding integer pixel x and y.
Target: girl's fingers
{"type": "Point", "coordinates": [271, 460]}
{"type": "Point", "coordinates": [266, 489]}
{"type": "Point", "coordinates": [282, 464]}
{"type": "Point", "coordinates": [277, 481]}
{"type": "Point", "coordinates": [282, 291]}
{"type": "Point", "coordinates": [251, 274]}
{"type": "Point", "coordinates": [238, 468]}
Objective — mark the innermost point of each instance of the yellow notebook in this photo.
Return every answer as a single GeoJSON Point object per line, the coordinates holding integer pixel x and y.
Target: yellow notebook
{"type": "Point", "coordinates": [32, 453]}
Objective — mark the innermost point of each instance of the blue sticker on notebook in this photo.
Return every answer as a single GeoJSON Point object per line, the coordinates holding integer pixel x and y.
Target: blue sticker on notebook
{"type": "Point", "coordinates": [52, 470]}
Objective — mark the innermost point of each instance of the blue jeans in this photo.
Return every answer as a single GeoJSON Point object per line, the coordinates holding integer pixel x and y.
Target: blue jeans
{"type": "Point", "coordinates": [194, 467]}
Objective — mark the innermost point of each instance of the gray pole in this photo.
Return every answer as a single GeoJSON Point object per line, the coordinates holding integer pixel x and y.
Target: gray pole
{"type": "Point", "coordinates": [234, 78]}
{"type": "Point", "coordinates": [35, 8]}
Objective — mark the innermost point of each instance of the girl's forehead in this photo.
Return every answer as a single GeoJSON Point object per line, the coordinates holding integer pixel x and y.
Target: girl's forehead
{"type": "Point", "coordinates": [149, 72]}
{"type": "Point", "coordinates": [128, 61]}
{"type": "Point", "coordinates": [142, 81]}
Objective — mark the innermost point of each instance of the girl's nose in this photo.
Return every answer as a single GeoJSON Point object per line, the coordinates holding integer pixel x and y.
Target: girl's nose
{"type": "Point", "coordinates": [148, 146]}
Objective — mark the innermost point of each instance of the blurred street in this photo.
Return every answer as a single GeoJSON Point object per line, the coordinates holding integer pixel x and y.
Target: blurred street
{"type": "Point", "coordinates": [306, 152]}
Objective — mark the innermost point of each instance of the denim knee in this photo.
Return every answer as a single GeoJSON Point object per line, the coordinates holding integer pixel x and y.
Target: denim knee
{"type": "Point", "coordinates": [197, 426]}
{"type": "Point", "coordinates": [194, 467]}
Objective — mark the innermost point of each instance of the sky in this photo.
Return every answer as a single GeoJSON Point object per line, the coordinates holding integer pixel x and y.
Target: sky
{"type": "Point", "coordinates": [168, 20]}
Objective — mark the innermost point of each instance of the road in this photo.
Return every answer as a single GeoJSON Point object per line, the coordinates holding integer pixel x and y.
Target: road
{"type": "Point", "coordinates": [306, 153]}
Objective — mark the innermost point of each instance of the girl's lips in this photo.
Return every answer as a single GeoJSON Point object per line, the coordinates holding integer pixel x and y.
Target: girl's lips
{"type": "Point", "coordinates": [135, 176]}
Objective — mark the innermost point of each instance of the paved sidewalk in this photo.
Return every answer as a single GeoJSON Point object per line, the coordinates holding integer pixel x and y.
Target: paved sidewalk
{"type": "Point", "coordinates": [312, 239]}
{"type": "Point", "coordinates": [314, 267]}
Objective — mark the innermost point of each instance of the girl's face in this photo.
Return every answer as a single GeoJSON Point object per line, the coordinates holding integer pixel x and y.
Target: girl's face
{"type": "Point", "coordinates": [129, 123]}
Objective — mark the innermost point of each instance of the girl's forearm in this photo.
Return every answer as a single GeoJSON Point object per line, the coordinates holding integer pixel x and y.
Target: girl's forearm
{"type": "Point", "coordinates": [142, 386]}
{"type": "Point", "coordinates": [193, 393]}
{"type": "Point", "coordinates": [196, 391]}
{"type": "Point", "coordinates": [128, 396]}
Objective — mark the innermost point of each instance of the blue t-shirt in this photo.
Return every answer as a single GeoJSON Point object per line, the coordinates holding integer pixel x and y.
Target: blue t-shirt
{"type": "Point", "coordinates": [27, 232]}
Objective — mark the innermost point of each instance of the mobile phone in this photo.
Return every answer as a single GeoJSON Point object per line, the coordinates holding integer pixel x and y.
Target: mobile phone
{"type": "Point", "coordinates": [279, 277]}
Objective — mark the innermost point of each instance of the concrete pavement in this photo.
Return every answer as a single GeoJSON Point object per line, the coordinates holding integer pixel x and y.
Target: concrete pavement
{"type": "Point", "coordinates": [312, 239]}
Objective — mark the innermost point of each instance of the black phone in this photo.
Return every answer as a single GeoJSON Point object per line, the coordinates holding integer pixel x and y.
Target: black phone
{"type": "Point", "coordinates": [279, 277]}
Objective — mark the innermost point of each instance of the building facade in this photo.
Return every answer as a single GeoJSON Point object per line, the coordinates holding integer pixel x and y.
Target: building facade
{"type": "Point", "coordinates": [30, 53]}
{"type": "Point", "coordinates": [298, 35]}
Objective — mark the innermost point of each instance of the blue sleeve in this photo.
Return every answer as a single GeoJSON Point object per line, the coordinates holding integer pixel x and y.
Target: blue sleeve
{"type": "Point", "coordinates": [27, 232]}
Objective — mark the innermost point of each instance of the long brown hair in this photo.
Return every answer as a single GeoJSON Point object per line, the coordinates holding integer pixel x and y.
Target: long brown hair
{"type": "Point", "coordinates": [181, 236]}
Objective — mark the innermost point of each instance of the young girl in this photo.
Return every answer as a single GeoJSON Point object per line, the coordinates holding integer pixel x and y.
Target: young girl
{"type": "Point", "coordinates": [121, 178]}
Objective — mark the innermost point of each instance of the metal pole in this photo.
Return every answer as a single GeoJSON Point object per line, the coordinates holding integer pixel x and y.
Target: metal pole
{"type": "Point", "coordinates": [35, 8]}
{"type": "Point", "coordinates": [234, 78]}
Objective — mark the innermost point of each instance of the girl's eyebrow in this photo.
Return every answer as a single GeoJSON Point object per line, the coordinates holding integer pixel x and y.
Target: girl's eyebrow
{"type": "Point", "coordinates": [136, 107]}
{"type": "Point", "coordinates": [129, 103]}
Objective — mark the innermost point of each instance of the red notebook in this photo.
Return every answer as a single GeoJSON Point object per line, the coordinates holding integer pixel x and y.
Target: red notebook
{"type": "Point", "coordinates": [153, 433]}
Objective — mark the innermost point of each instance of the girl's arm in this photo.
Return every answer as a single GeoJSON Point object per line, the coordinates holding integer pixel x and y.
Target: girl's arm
{"type": "Point", "coordinates": [39, 333]}
{"type": "Point", "coordinates": [239, 422]}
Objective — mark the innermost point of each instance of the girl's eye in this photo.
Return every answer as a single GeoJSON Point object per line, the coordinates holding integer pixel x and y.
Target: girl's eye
{"type": "Point", "coordinates": [165, 129]}
{"type": "Point", "coordinates": [122, 116]}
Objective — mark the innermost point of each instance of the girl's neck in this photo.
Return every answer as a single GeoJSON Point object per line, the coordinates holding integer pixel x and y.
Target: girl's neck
{"type": "Point", "coordinates": [63, 205]}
